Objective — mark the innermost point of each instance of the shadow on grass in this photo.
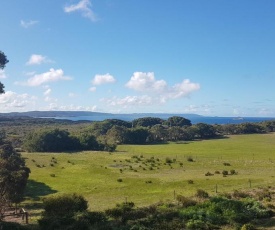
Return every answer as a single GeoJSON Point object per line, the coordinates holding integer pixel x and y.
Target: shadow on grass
{"type": "Point", "coordinates": [35, 190]}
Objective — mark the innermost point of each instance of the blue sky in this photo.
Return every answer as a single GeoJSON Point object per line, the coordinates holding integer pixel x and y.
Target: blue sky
{"type": "Point", "coordinates": [209, 57]}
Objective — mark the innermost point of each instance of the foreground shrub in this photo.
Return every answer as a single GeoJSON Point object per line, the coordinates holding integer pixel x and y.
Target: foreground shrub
{"type": "Point", "coordinates": [65, 212]}
{"type": "Point", "coordinates": [64, 205]}
{"type": "Point", "coordinates": [201, 194]}
{"type": "Point", "coordinates": [12, 226]}
{"type": "Point", "coordinates": [185, 201]}
{"type": "Point", "coordinates": [222, 211]}
{"type": "Point", "coordinates": [197, 225]}
{"type": "Point", "coordinates": [120, 212]}
{"type": "Point", "coordinates": [248, 227]}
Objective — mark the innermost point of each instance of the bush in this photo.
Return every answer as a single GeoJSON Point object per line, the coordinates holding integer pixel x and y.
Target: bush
{"type": "Point", "coordinates": [240, 194]}
{"type": "Point", "coordinates": [197, 225]}
{"type": "Point", "coordinates": [64, 205]}
{"type": "Point", "coordinates": [190, 159]}
{"type": "Point", "coordinates": [168, 160]}
{"type": "Point", "coordinates": [224, 172]}
{"type": "Point", "coordinates": [208, 174]}
{"type": "Point", "coordinates": [67, 211]}
{"type": "Point", "coordinates": [12, 226]}
{"type": "Point", "coordinates": [185, 201]}
{"type": "Point", "coordinates": [248, 227]}
{"type": "Point", "coordinates": [201, 194]}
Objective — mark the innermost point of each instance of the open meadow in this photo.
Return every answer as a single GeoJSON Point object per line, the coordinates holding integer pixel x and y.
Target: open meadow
{"type": "Point", "coordinates": [146, 174]}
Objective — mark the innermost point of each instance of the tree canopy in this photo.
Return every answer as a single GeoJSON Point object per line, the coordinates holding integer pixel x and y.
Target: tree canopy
{"type": "Point", "coordinates": [3, 62]}
{"type": "Point", "coordinates": [178, 121]}
{"type": "Point", "coordinates": [13, 174]}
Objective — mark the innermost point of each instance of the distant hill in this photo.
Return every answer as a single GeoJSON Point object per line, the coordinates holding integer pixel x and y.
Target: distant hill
{"type": "Point", "coordinates": [85, 116]}
{"type": "Point", "coordinates": [52, 114]}
{"type": "Point", "coordinates": [96, 115]}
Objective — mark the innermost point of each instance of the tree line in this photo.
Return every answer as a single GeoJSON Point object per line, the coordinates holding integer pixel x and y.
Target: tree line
{"type": "Point", "coordinates": [106, 135]}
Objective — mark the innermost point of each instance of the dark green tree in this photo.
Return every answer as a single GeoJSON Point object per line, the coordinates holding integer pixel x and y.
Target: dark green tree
{"type": "Point", "coordinates": [88, 141]}
{"type": "Point", "coordinates": [138, 136]}
{"type": "Point", "coordinates": [3, 62]}
{"type": "Point", "coordinates": [13, 174]}
{"type": "Point", "coordinates": [178, 121]}
{"type": "Point", "coordinates": [147, 121]}
{"type": "Point", "coordinates": [117, 134]}
{"type": "Point", "coordinates": [205, 131]}
{"type": "Point", "coordinates": [159, 133]}
{"type": "Point", "coordinates": [54, 140]}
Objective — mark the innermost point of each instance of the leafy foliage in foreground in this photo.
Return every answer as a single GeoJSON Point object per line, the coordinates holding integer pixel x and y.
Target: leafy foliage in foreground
{"type": "Point", "coordinates": [209, 214]}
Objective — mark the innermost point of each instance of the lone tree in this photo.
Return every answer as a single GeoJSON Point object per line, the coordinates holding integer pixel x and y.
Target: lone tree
{"type": "Point", "coordinates": [3, 62]}
{"type": "Point", "coordinates": [13, 175]}
{"type": "Point", "coordinates": [13, 171]}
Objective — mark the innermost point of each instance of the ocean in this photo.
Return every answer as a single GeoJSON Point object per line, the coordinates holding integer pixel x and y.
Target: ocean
{"type": "Point", "coordinates": [194, 119]}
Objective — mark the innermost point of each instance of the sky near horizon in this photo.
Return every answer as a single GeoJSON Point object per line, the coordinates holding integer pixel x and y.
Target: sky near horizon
{"type": "Point", "coordinates": [209, 57]}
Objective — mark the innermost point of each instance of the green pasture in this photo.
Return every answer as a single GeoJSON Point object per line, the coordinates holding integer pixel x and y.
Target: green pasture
{"type": "Point", "coordinates": [145, 175]}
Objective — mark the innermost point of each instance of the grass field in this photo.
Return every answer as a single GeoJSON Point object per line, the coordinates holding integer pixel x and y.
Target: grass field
{"type": "Point", "coordinates": [145, 174]}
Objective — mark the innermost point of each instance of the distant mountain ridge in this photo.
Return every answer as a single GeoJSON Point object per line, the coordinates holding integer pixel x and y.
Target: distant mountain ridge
{"type": "Point", "coordinates": [61, 114]}
{"type": "Point", "coordinates": [88, 116]}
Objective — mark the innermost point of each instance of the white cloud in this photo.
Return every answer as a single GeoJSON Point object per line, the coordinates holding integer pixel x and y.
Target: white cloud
{"type": "Point", "coordinates": [76, 108]}
{"type": "Point", "coordinates": [11, 101]}
{"type": "Point", "coordinates": [158, 92]}
{"type": "Point", "coordinates": [129, 101]}
{"type": "Point", "coordinates": [27, 24]}
{"type": "Point", "coordinates": [103, 79]}
{"type": "Point", "coordinates": [51, 76]}
{"type": "Point", "coordinates": [92, 89]}
{"type": "Point", "coordinates": [146, 82]}
{"type": "Point", "coordinates": [47, 92]}
{"type": "Point", "coordinates": [182, 89]}
{"type": "Point", "coordinates": [2, 74]}
{"type": "Point", "coordinates": [84, 6]}
{"type": "Point", "coordinates": [36, 59]}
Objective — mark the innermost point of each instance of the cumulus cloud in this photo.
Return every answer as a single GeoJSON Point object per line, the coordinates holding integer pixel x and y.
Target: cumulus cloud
{"type": "Point", "coordinates": [36, 59]}
{"type": "Point", "coordinates": [84, 7]}
{"type": "Point", "coordinates": [2, 74]}
{"type": "Point", "coordinates": [11, 101]}
{"type": "Point", "coordinates": [103, 79]}
{"type": "Point", "coordinates": [27, 24]}
{"type": "Point", "coordinates": [157, 92]}
{"type": "Point", "coordinates": [51, 76]}
{"type": "Point", "coordinates": [146, 82]}
{"type": "Point", "coordinates": [183, 89]}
